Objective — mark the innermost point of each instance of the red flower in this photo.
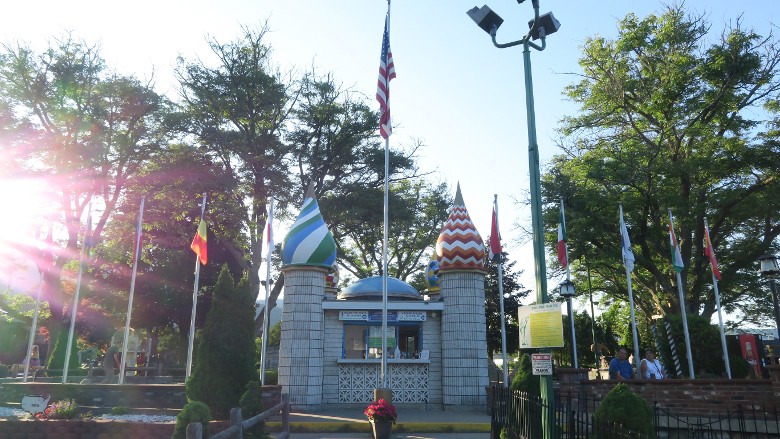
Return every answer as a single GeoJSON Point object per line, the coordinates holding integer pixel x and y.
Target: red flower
{"type": "Point", "coordinates": [381, 411]}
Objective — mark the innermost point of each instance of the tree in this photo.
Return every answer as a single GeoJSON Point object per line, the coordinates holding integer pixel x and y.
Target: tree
{"type": "Point", "coordinates": [513, 293]}
{"type": "Point", "coordinates": [225, 358]}
{"type": "Point", "coordinates": [80, 128]}
{"type": "Point", "coordinates": [669, 120]}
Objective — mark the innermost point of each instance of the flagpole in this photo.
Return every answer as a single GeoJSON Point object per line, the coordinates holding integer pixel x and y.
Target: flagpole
{"type": "Point", "coordinates": [683, 312]}
{"type": "Point", "coordinates": [569, 306]}
{"type": "Point", "coordinates": [385, 233]}
{"type": "Point", "coordinates": [501, 299]}
{"type": "Point", "coordinates": [33, 329]}
{"type": "Point", "coordinates": [269, 250]}
{"type": "Point", "coordinates": [136, 252]}
{"type": "Point", "coordinates": [717, 302]}
{"type": "Point", "coordinates": [191, 341]}
{"type": "Point", "coordinates": [637, 358]}
{"type": "Point", "coordinates": [74, 309]}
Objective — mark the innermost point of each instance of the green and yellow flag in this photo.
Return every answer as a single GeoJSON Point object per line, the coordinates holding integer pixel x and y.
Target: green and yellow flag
{"type": "Point", "coordinates": [199, 243]}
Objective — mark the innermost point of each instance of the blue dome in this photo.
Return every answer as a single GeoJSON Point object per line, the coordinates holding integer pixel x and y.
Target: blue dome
{"type": "Point", "coordinates": [370, 288]}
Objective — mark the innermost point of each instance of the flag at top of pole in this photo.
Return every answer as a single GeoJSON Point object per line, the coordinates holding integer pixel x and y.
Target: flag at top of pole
{"type": "Point", "coordinates": [563, 258]}
{"type": "Point", "coordinates": [269, 230]}
{"type": "Point", "coordinates": [677, 261]}
{"type": "Point", "coordinates": [625, 244]}
{"type": "Point", "coordinates": [386, 73]}
{"type": "Point", "coordinates": [199, 245]}
{"type": "Point", "coordinates": [495, 236]}
{"type": "Point", "coordinates": [710, 252]}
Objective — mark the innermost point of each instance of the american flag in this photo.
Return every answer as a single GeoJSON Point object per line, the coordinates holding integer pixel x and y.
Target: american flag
{"type": "Point", "coordinates": [386, 73]}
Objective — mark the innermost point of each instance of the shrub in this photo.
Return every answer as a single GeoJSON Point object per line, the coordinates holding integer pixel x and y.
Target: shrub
{"type": "Point", "coordinates": [251, 404]}
{"type": "Point", "coordinates": [120, 410]}
{"type": "Point", "coordinates": [193, 411]}
{"type": "Point", "coordinates": [271, 377]}
{"type": "Point", "coordinates": [740, 368]}
{"type": "Point", "coordinates": [623, 407]}
{"type": "Point", "coordinates": [525, 380]}
{"type": "Point", "coordinates": [225, 360]}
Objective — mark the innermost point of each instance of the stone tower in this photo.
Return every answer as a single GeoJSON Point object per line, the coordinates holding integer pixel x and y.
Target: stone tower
{"type": "Point", "coordinates": [461, 255]}
{"type": "Point", "coordinates": [308, 252]}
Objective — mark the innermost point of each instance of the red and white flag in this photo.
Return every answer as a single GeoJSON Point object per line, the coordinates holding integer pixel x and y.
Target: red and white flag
{"type": "Point", "coordinates": [269, 230]}
{"type": "Point", "coordinates": [710, 252]}
{"type": "Point", "coordinates": [495, 236]}
{"type": "Point", "coordinates": [563, 256]}
{"type": "Point", "coordinates": [386, 73]}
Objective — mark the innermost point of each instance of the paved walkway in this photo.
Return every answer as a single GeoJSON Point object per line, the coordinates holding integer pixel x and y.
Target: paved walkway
{"type": "Point", "coordinates": [406, 416]}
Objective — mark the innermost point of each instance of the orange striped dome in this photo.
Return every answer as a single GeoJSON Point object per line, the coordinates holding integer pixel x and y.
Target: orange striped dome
{"type": "Point", "coordinates": [459, 245]}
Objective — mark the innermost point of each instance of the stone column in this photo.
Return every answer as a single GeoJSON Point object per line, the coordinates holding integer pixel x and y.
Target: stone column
{"type": "Point", "coordinates": [464, 341]}
{"type": "Point", "coordinates": [302, 340]}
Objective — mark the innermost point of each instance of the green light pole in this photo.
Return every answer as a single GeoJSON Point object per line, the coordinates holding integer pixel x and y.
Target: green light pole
{"type": "Point", "coordinates": [540, 27]}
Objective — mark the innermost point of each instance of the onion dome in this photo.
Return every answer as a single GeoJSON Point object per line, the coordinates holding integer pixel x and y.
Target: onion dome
{"type": "Point", "coordinates": [459, 245]}
{"type": "Point", "coordinates": [370, 288]}
{"type": "Point", "coordinates": [309, 242]}
{"type": "Point", "coordinates": [432, 274]}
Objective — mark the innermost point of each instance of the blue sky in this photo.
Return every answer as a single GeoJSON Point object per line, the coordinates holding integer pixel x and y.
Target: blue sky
{"type": "Point", "coordinates": [462, 97]}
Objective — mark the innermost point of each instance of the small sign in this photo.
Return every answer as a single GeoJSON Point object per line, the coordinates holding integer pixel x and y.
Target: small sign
{"type": "Point", "coordinates": [542, 364]}
{"type": "Point", "coordinates": [411, 316]}
{"type": "Point", "coordinates": [35, 403]}
{"type": "Point", "coordinates": [425, 354]}
{"type": "Point", "coordinates": [353, 315]}
{"type": "Point", "coordinates": [376, 316]}
{"type": "Point", "coordinates": [541, 326]}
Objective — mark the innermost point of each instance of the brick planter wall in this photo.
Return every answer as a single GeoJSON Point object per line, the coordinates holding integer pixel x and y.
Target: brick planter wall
{"type": "Point", "coordinates": [78, 429]}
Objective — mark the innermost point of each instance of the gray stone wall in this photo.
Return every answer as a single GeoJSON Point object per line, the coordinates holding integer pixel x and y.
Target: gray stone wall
{"type": "Point", "coordinates": [333, 340]}
{"type": "Point", "coordinates": [431, 340]}
{"type": "Point", "coordinates": [464, 342]}
{"type": "Point", "coordinates": [302, 339]}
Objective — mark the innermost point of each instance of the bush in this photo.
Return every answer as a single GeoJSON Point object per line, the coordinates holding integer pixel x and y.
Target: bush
{"type": "Point", "coordinates": [740, 368]}
{"type": "Point", "coordinates": [271, 377]}
{"type": "Point", "coordinates": [65, 409]}
{"type": "Point", "coordinates": [193, 411]}
{"type": "Point", "coordinates": [120, 410]}
{"type": "Point", "coordinates": [622, 407]}
{"type": "Point", "coordinates": [225, 357]}
{"type": "Point", "coordinates": [525, 380]}
{"type": "Point", "coordinates": [251, 404]}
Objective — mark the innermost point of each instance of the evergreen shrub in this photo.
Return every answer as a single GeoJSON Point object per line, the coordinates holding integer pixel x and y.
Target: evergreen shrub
{"type": "Point", "coordinates": [525, 380]}
{"type": "Point", "coordinates": [251, 404]}
{"type": "Point", "coordinates": [624, 408]}
{"type": "Point", "coordinates": [193, 411]}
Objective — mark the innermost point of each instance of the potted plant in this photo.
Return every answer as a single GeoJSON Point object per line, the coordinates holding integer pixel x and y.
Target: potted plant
{"type": "Point", "coordinates": [382, 416]}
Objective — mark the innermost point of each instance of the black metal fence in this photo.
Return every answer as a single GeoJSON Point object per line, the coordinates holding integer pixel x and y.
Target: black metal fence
{"type": "Point", "coordinates": [519, 416]}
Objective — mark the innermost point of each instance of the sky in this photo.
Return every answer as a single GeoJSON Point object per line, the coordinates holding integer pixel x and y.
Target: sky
{"type": "Point", "coordinates": [463, 98]}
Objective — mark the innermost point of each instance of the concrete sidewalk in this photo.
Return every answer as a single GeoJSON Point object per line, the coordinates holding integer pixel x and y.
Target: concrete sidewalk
{"type": "Point", "coordinates": [408, 418]}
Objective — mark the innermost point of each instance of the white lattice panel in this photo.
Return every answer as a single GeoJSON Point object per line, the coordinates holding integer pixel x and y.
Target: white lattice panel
{"type": "Point", "coordinates": [357, 382]}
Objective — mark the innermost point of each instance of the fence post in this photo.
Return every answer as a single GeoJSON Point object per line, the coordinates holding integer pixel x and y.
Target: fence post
{"type": "Point", "coordinates": [195, 431]}
{"type": "Point", "coordinates": [286, 413]}
{"type": "Point", "coordinates": [235, 420]}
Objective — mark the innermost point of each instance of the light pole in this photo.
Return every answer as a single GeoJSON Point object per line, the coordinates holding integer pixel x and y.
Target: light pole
{"type": "Point", "coordinates": [770, 270]}
{"type": "Point", "coordinates": [540, 27]}
{"type": "Point", "coordinates": [596, 350]}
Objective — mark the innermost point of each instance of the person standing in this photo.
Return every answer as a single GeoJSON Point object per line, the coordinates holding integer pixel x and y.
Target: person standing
{"type": "Point", "coordinates": [620, 368]}
{"type": "Point", "coordinates": [111, 362]}
{"type": "Point", "coordinates": [35, 358]}
{"type": "Point", "coordinates": [650, 368]}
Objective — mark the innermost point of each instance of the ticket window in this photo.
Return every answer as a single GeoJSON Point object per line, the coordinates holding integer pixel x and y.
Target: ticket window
{"type": "Point", "coordinates": [365, 341]}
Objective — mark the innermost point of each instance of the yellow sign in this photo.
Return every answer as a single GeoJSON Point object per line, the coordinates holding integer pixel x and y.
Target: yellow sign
{"type": "Point", "coordinates": [541, 326]}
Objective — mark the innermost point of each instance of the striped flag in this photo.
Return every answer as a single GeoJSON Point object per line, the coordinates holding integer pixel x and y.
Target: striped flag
{"type": "Point", "coordinates": [269, 230]}
{"type": "Point", "coordinates": [710, 252]}
{"type": "Point", "coordinates": [495, 236]}
{"type": "Point", "coordinates": [625, 244]}
{"type": "Point", "coordinates": [386, 73]}
{"type": "Point", "coordinates": [677, 261]}
{"type": "Point", "coordinates": [199, 242]}
{"type": "Point", "coordinates": [563, 257]}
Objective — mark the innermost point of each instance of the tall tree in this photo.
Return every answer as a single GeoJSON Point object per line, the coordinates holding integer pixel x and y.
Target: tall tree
{"type": "Point", "coordinates": [513, 293]}
{"type": "Point", "coordinates": [672, 120]}
{"type": "Point", "coordinates": [82, 129]}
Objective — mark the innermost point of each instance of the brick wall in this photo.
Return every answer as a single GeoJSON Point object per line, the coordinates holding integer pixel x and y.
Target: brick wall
{"type": "Point", "coordinates": [77, 429]}
{"type": "Point", "coordinates": [687, 397]}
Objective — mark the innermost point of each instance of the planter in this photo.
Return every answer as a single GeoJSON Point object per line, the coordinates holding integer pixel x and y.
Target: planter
{"type": "Point", "coordinates": [382, 429]}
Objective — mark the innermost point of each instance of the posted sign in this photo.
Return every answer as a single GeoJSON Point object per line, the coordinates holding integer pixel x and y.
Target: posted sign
{"type": "Point", "coordinates": [541, 326]}
{"type": "Point", "coordinates": [542, 364]}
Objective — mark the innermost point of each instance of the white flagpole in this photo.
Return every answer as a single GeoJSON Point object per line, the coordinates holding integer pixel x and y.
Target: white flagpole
{"type": "Point", "coordinates": [385, 234]}
{"type": "Point", "coordinates": [266, 315]}
{"type": "Point", "coordinates": [637, 358]}
{"type": "Point", "coordinates": [717, 302]}
{"type": "Point", "coordinates": [569, 299]}
{"type": "Point", "coordinates": [33, 329]}
{"type": "Point", "coordinates": [683, 312]}
{"type": "Point", "coordinates": [191, 344]}
{"type": "Point", "coordinates": [136, 252]}
{"type": "Point", "coordinates": [501, 301]}
{"type": "Point", "coordinates": [74, 309]}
